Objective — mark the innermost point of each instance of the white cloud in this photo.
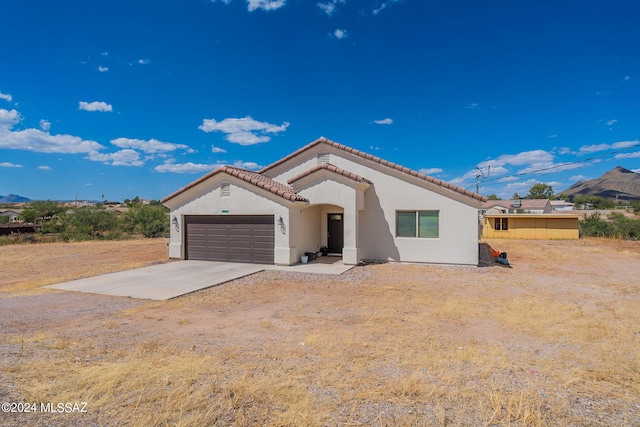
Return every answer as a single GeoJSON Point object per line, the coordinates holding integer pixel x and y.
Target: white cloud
{"type": "Point", "coordinates": [520, 187]}
{"type": "Point", "coordinates": [563, 150]}
{"type": "Point", "coordinates": [340, 34]}
{"type": "Point", "coordinates": [430, 171]}
{"type": "Point", "coordinates": [105, 54]}
{"type": "Point", "coordinates": [627, 78]}
{"type": "Point", "coordinates": [471, 106]}
{"type": "Point", "coordinates": [143, 61]}
{"type": "Point", "coordinates": [38, 141]}
{"type": "Point", "coordinates": [125, 157]}
{"type": "Point", "coordinates": [247, 138]}
{"type": "Point", "coordinates": [524, 158]}
{"type": "Point", "coordinates": [9, 118]}
{"type": "Point", "coordinates": [610, 122]}
{"type": "Point", "coordinates": [103, 69]}
{"type": "Point", "coordinates": [6, 97]}
{"type": "Point", "coordinates": [576, 178]}
{"type": "Point", "coordinates": [628, 155]}
{"type": "Point", "coordinates": [45, 125]}
{"type": "Point", "coordinates": [9, 165]}
{"type": "Point", "coordinates": [244, 131]}
{"type": "Point", "coordinates": [95, 106]}
{"type": "Point", "coordinates": [555, 135]}
{"type": "Point", "coordinates": [215, 149]}
{"type": "Point", "coordinates": [189, 167]}
{"type": "Point", "coordinates": [386, 121]}
{"type": "Point", "coordinates": [588, 149]}
{"type": "Point", "coordinates": [508, 179]}
{"type": "Point", "coordinates": [384, 5]}
{"type": "Point", "coordinates": [330, 6]}
{"type": "Point", "coordinates": [246, 165]}
{"type": "Point", "coordinates": [265, 4]}
{"type": "Point", "coordinates": [44, 168]}
{"type": "Point", "coordinates": [149, 146]}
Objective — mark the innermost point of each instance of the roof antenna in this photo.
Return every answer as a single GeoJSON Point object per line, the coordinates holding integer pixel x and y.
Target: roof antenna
{"type": "Point", "coordinates": [480, 174]}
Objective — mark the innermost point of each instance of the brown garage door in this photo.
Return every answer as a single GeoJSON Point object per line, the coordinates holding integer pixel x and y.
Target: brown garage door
{"type": "Point", "coordinates": [234, 238]}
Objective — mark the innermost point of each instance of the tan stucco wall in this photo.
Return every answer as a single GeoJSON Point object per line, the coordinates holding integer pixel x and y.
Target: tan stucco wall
{"type": "Point", "coordinates": [391, 191]}
{"type": "Point", "coordinates": [533, 227]}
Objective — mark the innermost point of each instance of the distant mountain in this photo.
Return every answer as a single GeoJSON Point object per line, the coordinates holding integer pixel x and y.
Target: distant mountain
{"type": "Point", "coordinates": [620, 182]}
{"type": "Point", "coordinates": [13, 198]}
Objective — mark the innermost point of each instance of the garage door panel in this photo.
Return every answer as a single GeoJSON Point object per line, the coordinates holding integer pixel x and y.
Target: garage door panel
{"type": "Point", "coordinates": [235, 238]}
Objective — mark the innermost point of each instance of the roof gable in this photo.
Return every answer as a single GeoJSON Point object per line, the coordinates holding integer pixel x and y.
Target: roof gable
{"type": "Point", "coordinates": [377, 160]}
{"type": "Point", "coordinates": [331, 168]}
{"type": "Point", "coordinates": [253, 178]}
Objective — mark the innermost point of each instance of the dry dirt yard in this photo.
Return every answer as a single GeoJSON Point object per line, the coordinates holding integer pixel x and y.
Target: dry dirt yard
{"type": "Point", "coordinates": [553, 341]}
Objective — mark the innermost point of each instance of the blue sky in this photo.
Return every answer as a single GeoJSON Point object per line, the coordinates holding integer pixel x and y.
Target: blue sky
{"type": "Point", "coordinates": [122, 99]}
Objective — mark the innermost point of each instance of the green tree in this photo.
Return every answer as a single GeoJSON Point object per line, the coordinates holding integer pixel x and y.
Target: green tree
{"type": "Point", "coordinates": [148, 220]}
{"type": "Point", "coordinates": [152, 221]}
{"type": "Point", "coordinates": [515, 196]}
{"type": "Point", "coordinates": [41, 211]}
{"type": "Point", "coordinates": [596, 201]}
{"type": "Point", "coordinates": [88, 224]}
{"type": "Point", "coordinates": [540, 191]}
{"type": "Point", "coordinates": [493, 197]}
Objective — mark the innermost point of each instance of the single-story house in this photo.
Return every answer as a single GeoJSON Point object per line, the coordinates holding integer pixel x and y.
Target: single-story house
{"type": "Point", "coordinates": [324, 194]}
{"type": "Point", "coordinates": [13, 214]}
{"type": "Point", "coordinates": [531, 226]}
{"type": "Point", "coordinates": [530, 206]}
{"type": "Point", "coordinates": [561, 205]}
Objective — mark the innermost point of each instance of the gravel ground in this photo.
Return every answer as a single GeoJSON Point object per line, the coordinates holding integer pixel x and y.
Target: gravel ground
{"type": "Point", "coordinates": [275, 309]}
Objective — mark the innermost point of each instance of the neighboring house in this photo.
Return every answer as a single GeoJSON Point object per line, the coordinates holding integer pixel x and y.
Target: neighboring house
{"type": "Point", "coordinates": [530, 226]}
{"type": "Point", "coordinates": [561, 205]}
{"type": "Point", "coordinates": [13, 214]}
{"type": "Point", "coordinates": [324, 194]}
{"type": "Point", "coordinates": [530, 206]}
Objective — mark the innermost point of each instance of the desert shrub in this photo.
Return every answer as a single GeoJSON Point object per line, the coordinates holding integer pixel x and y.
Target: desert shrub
{"type": "Point", "coordinates": [594, 226]}
{"type": "Point", "coordinates": [617, 226]}
{"type": "Point", "coordinates": [84, 224]}
{"type": "Point", "coordinates": [625, 228]}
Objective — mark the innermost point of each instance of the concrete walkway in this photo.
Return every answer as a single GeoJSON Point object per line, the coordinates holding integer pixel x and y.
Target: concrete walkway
{"type": "Point", "coordinates": [170, 280]}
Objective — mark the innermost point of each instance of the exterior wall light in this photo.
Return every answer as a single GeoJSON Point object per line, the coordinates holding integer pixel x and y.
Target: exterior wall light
{"type": "Point", "coordinates": [174, 221]}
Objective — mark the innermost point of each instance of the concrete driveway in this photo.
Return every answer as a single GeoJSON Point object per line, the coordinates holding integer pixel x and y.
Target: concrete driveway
{"type": "Point", "coordinates": [163, 281]}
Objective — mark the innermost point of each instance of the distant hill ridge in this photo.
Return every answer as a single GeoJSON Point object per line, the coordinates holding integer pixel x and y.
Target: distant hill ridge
{"type": "Point", "coordinates": [13, 198]}
{"type": "Point", "coordinates": [618, 183]}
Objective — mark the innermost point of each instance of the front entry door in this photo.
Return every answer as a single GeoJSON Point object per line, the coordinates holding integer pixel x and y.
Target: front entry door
{"type": "Point", "coordinates": [335, 233]}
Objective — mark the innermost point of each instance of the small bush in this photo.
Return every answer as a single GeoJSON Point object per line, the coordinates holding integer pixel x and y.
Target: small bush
{"type": "Point", "coordinates": [617, 226]}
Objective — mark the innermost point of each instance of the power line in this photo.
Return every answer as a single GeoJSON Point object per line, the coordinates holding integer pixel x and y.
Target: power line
{"type": "Point", "coordinates": [564, 164]}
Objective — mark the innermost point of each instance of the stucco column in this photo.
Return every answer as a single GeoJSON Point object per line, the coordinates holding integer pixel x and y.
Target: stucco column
{"type": "Point", "coordinates": [350, 252]}
{"type": "Point", "coordinates": [175, 234]}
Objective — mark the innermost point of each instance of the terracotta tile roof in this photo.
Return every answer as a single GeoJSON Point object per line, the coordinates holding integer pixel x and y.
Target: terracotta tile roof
{"type": "Point", "coordinates": [387, 163]}
{"type": "Point", "coordinates": [265, 183]}
{"type": "Point", "coordinates": [251, 177]}
{"type": "Point", "coordinates": [330, 168]}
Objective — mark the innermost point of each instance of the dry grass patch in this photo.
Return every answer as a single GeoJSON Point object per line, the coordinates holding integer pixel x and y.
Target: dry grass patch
{"type": "Point", "coordinates": [553, 341]}
{"type": "Point", "coordinates": [27, 268]}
